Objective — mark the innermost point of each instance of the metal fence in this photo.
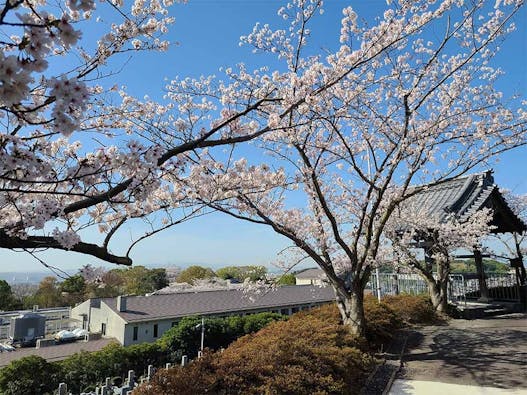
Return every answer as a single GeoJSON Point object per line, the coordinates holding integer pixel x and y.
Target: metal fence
{"type": "Point", "coordinates": [396, 283]}
{"type": "Point", "coordinates": [501, 286]}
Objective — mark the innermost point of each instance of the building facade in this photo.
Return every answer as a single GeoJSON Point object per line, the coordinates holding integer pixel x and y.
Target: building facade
{"type": "Point", "coordinates": [139, 319]}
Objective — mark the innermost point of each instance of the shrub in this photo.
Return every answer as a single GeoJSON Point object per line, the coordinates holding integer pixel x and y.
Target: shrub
{"type": "Point", "coordinates": [29, 375]}
{"type": "Point", "coordinates": [184, 338]}
{"type": "Point", "coordinates": [198, 377]}
{"type": "Point", "coordinates": [306, 354]}
{"type": "Point", "coordinates": [381, 321]}
{"type": "Point", "coordinates": [412, 309]}
{"type": "Point", "coordinates": [83, 369]}
{"type": "Point", "coordinates": [91, 368]}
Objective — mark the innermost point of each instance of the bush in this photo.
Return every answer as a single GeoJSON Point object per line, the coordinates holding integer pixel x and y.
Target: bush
{"type": "Point", "coordinates": [83, 369]}
{"type": "Point", "coordinates": [86, 369]}
{"type": "Point", "coordinates": [382, 322]}
{"type": "Point", "coordinates": [306, 354]}
{"type": "Point", "coordinates": [198, 377]}
{"type": "Point", "coordinates": [185, 338]}
{"type": "Point", "coordinates": [412, 309]}
{"type": "Point", "coordinates": [29, 375]}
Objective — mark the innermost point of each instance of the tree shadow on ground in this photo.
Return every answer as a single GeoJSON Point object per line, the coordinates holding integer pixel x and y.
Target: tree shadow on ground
{"type": "Point", "coordinates": [494, 357]}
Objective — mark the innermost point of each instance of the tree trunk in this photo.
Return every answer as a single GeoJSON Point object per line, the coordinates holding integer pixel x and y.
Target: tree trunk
{"type": "Point", "coordinates": [438, 294]}
{"type": "Point", "coordinates": [351, 307]}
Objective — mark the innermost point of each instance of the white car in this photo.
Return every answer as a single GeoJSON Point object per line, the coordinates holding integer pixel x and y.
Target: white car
{"type": "Point", "coordinates": [80, 333]}
{"type": "Point", "coordinates": [65, 336]}
{"type": "Point", "coordinates": [6, 347]}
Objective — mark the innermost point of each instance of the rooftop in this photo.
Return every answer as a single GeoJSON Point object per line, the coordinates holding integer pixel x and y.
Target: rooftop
{"type": "Point", "coordinates": [166, 306]}
{"type": "Point", "coordinates": [311, 273]}
{"type": "Point", "coordinates": [464, 196]}
{"type": "Point", "coordinates": [55, 352]}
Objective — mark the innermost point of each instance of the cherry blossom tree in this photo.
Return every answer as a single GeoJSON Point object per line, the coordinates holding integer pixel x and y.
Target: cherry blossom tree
{"type": "Point", "coordinates": [345, 132]}
{"type": "Point", "coordinates": [412, 229]}
{"type": "Point", "coordinates": [75, 154]}
{"type": "Point", "coordinates": [393, 106]}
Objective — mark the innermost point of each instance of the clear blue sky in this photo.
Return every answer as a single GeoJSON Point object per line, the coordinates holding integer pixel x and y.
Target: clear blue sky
{"type": "Point", "coordinates": [208, 33]}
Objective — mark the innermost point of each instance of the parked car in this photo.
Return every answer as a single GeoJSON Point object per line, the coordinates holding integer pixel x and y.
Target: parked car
{"type": "Point", "coordinates": [65, 336]}
{"type": "Point", "coordinates": [6, 347]}
{"type": "Point", "coordinates": [80, 333]}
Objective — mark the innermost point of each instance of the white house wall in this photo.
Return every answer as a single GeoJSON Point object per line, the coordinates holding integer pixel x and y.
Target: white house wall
{"type": "Point", "coordinates": [145, 331]}
{"type": "Point", "coordinates": [82, 309]}
{"type": "Point", "coordinates": [101, 315]}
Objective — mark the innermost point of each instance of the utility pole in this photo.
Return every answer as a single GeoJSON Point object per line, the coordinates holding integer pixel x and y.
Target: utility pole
{"type": "Point", "coordinates": [202, 333]}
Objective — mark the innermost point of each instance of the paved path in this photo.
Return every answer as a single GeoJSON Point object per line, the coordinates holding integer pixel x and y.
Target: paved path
{"type": "Point", "coordinates": [486, 356]}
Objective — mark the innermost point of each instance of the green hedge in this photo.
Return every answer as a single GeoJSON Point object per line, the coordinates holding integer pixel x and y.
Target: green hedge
{"type": "Point", "coordinates": [185, 338]}
{"type": "Point", "coordinates": [86, 370]}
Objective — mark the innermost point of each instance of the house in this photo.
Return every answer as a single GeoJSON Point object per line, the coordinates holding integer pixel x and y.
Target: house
{"type": "Point", "coordinates": [138, 319]}
{"type": "Point", "coordinates": [312, 276]}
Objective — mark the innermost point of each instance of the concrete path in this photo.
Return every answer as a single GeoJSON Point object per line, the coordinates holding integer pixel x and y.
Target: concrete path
{"type": "Point", "coordinates": [485, 356]}
{"type": "Point", "coordinates": [404, 387]}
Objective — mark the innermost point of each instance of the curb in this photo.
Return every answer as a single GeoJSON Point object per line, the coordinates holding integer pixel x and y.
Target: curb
{"type": "Point", "coordinates": [396, 371]}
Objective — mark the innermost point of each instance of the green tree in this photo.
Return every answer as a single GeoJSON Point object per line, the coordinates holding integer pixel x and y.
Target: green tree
{"type": "Point", "coordinates": [29, 375]}
{"type": "Point", "coordinates": [112, 284]}
{"type": "Point", "coordinates": [48, 293]}
{"type": "Point", "coordinates": [7, 299]}
{"type": "Point", "coordinates": [490, 266]}
{"type": "Point", "coordinates": [73, 284]}
{"type": "Point", "coordinates": [287, 279]}
{"type": "Point", "coordinates": [136, 280]}
{"type": "Point", "coordinates": [195, 273]}
{"type": "Point", "coordinates": [240, 273]}
{"type": "Point", "coordinates": [157, 278]}
{"type": "Point", "coordinates": [73, 289]}
{"type": "Point", "coordinates": [228, 272]}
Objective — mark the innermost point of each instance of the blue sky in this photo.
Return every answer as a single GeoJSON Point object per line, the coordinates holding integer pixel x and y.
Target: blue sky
{"type": "Point", "coordinates": [208, 33]}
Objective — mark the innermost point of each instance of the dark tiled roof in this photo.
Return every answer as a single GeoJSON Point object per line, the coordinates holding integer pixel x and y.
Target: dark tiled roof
{"type": "Point", "coordinates": [311, 273]}
{"type": "Point", "coordinates": [464, 196]}
{"type": "Point", "coordinates": [146, 308]}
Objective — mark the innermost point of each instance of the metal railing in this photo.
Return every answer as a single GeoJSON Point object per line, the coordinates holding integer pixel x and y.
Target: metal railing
{"type": "Point", "coordinates": [501, 286]}
{"type": "Point", "coordinates": [396, 283]}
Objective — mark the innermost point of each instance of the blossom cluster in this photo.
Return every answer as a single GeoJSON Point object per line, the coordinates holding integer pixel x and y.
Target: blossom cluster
{"type": "Point", "coordinates": [321, 149]}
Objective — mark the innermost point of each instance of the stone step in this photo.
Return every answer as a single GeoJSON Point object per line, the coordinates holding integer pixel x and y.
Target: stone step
{"type": "Point", "coordinates": [491, 310]}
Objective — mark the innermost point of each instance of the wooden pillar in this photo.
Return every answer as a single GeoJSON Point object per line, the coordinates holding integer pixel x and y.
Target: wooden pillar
{"type": "Point", "coordinates": [478, 260]}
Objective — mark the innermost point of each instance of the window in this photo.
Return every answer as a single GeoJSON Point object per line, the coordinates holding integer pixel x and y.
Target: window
{"type": "Point", "coordinates": [136, 332]}
{"type": "Point", "coordinates": [103, 329]}
{"type": "Point", "coordinates": [284, 311]}
{"type": "Point", "coordinates": [155, 330]}
{"type": "Point", "coordinates": [174, 323]}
